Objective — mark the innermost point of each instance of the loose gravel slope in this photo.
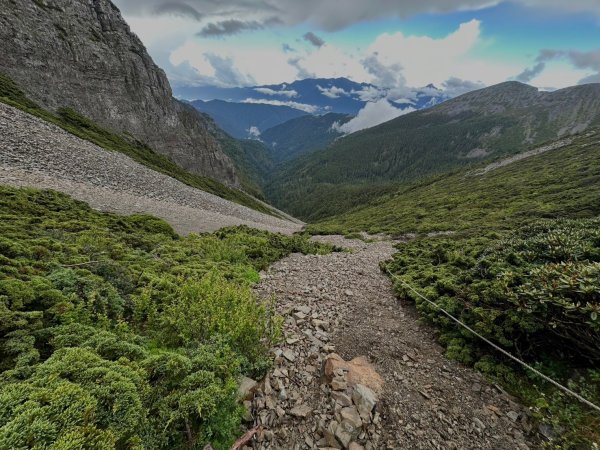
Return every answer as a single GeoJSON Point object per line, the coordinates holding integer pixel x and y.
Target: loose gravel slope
{"type": "Point", "coordinates": [38, 154]}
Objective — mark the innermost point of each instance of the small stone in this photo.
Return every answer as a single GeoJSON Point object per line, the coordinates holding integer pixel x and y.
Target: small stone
{"type": "Point", "coordinates": [270, 402]}
{"type": "Point", "coordinates": [329, 434]}
{"type": "Point", "coordinates": [248, 411]}
{"type": "Point", "coordinates": [322, 324]}
{"type": "Point", "coordinates": [338, 384]}
{"type": "Point", "coordinates": [341, 399]}
{"type": "Point", "coordinates": [247, 388]}
{"type": "Point", "coordinates": [478, 423]}
{"type": "Point", "coordinates": [289, 355]}
{"type": "Point", "coordinates": [513, 415]}
{"type": "Point", "coordinates": [343, 436]}
{"type": "Point", "coordinates": [350, 415]}
{"type": "Point", "coordinates": [282, 393]}
{"type": "Point", "coordinates": [309, 441]}
{"type": "Point", "coordinates": [303, 309]}
{"type": "Point", "coordinates": [301, 411]}
{"type": "Point", "coordinates": [365, 400]}
{"type": "Point", "coordinates": [355, 446]}
{"type": "Point", "coordinates": [299, 316]}
{"type": "Point", "coordinates": [268, 390]}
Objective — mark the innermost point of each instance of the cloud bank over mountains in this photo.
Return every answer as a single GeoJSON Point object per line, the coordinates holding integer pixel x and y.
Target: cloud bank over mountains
{"type": "Point", "coordinates": [264, 42]}
{"type": "Point", "coordinates": [328, 15]}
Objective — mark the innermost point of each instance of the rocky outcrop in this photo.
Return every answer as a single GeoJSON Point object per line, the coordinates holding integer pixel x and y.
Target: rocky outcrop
{"type": "Point", "coordinates": [81, 54]}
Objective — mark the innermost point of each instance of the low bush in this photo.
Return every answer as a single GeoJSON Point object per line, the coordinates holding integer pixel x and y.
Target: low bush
{"type": "Point", "coordinates": [534, 292]}
{"type": "Point", "coordinates": [115, 332]}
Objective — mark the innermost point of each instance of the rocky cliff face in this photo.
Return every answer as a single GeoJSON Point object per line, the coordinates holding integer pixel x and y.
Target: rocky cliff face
{"type": "Point", "coordinates": [81, 54]}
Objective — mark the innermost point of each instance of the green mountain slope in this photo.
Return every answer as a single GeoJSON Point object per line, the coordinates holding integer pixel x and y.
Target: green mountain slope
{"type": "Point", "coordinates": [302, 135]}
{"type": "Point", "coordinates": [513, 252]}
{"type": "Point", "coordinates": [252, 159]}
{"type": "Point", "coordinates": [563, 182]}
{"type": "Point", "coordinates": [481, 125]}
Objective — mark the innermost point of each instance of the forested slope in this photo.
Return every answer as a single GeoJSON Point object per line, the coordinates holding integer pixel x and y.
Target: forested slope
{"type": "Point", "coordinates": [500, 120]}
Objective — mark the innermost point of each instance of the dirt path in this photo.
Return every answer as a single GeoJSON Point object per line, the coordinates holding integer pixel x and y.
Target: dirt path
{"type": "Point", "coordinates": [342, 303]}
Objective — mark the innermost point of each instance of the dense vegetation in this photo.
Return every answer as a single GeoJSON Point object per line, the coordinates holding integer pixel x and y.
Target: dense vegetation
{"type": "Point", "coordinates": [560, 183]}
{"type": "Point", "coordinates": [483, 125]}
{"type": "Point", "coordinates": [534, 291]}
{"type": "Point", "coordinates": [84, 128]}
{"type": "Point", "coordinates": [116, 332]}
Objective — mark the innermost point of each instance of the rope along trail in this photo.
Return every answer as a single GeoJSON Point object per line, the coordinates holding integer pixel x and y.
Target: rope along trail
{"type": "Point", "coordinates": [500, 349]}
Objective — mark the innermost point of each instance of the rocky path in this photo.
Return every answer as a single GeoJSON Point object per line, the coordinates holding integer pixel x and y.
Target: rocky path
{"type": "Point", "coordinates": [38, 154]}
{"type": "Point", "coordinates": [345, 333]}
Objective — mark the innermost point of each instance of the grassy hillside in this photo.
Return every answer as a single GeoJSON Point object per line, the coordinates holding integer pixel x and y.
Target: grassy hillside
{"type": "Point", "coordinates": [560, 183]}
{"type": "Point", "coordinates": [521, 267]}
{"type": "Point", "coordinates": [302, 135]}
{"type": "Point", "coordinates": [486, 124]}
{"type": "Point", "coordinates": [84, 128]}
{"type": "Point", "coordinates": [117, 333]}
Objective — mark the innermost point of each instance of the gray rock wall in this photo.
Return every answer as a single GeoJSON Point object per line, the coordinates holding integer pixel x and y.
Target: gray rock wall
{"type": "Point", "coordinates": [82, 54]}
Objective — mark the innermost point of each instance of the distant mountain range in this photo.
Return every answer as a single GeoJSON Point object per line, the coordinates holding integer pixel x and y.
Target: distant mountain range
{"type": "Point", "coordinates": [244, 112]}
{"type": "Point", "coordinates": [315, 95]}
{"type": "Point", "coordinates": [246, 120]}
{"type": "Point", "coordinates": [481, 125]}
{"type": "Point", "coordinates": [303, 135]}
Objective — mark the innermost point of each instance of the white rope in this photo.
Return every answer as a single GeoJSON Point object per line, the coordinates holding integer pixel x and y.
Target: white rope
{"type": "Point", "coordinates": [501, 350]}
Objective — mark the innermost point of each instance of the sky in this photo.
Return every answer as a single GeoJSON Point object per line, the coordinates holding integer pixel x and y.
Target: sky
{"type": "Point", "coordinates": [454, 44]}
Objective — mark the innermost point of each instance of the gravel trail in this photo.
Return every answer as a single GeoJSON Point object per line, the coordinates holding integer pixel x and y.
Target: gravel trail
{"type": "Point", "coordinates": [38, 154]}
{"type": "Point", "coordinates": [343, 303]}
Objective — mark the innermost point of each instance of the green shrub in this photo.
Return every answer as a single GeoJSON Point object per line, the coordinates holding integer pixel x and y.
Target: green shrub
{"type": "Point", "coordinates": [116, 332]}
{"type": "Point", "coordinates": [534, 292]}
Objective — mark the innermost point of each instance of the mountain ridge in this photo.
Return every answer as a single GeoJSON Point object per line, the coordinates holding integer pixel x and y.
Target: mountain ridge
{"type": "Point", "coordinates": [477, 126]}
{"type": "Point", "coordinates": [83, 55]}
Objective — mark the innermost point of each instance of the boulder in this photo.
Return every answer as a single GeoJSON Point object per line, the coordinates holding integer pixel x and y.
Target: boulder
{"type": "Point", "coordinates": [358, 371]}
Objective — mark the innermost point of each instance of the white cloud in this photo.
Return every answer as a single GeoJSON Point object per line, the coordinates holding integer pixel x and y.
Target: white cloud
{"type": "Point", "coordinates": [374, 113]}
{"type": "Point", "coordinates": [396, 61]}
{"type": "Point", "coordinates": [332, 92]}
{"type": "Point", "coordinates": [311, 109]}
{"type": "Point", "coordinates": [254, 133]}
{"type": "Point", "coordinates": [327, 15]}
{"type": "Point", "coordinates": [370, 94]}
{"type": "Point", "coordinates": [329, 61]}
{"type": "Point", "coordinates": [245, 60]}
{"type": "Point", "coordinates": [268, 91]}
